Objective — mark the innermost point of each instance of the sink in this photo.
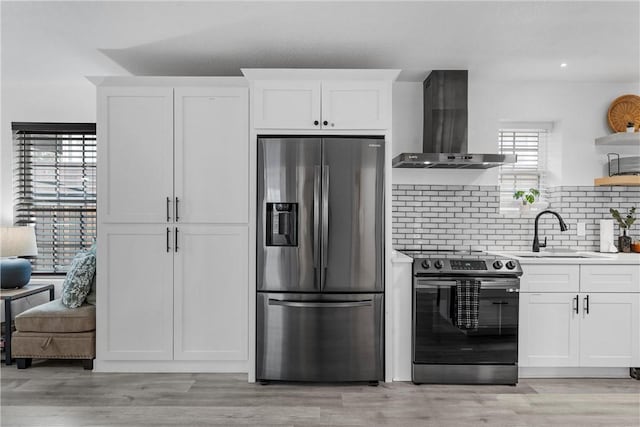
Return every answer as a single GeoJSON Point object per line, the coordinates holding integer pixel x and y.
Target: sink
{"type": "Point", "coordinates": [557, 254]}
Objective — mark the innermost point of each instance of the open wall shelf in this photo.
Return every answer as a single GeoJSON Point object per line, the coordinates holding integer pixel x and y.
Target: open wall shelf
{"type": "Point", "coordinates": [618, 180]}
{"type": "Point", "coordinates": [620, 138]}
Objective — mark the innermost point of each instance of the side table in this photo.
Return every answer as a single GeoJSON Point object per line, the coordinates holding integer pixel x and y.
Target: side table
{"type": "Point", "coordinates": [10, 295]}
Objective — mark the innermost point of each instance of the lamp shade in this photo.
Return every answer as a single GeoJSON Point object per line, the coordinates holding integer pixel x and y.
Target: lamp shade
{"type": "Point", "coordinates": [18, 241]}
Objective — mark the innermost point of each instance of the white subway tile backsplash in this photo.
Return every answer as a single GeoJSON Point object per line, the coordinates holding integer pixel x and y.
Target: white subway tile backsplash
{"type": "Point", "coordinates": [468, 217]}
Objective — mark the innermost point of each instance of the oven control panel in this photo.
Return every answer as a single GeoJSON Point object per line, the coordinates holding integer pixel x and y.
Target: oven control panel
{"type": "Point", "coordinates": [466, 267]}
{"type": "Point", "coordinates": [461, 264]}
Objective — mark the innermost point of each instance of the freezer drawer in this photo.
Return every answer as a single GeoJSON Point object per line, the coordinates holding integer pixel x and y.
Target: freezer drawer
{"type": "Point", "coordinates": [319, 337]}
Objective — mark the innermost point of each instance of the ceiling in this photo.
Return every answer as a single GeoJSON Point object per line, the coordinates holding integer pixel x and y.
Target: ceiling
{"type": "Point", "coordinates": [65, 41]}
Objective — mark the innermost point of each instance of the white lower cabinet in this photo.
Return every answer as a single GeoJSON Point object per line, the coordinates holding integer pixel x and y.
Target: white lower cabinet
{"type": "Point", "coordinates": [609, 334]}
{"type": "Point", "coordinates": [166, 302]}
{"type": "Point", "coordinates": [135, 293]}
{"type": "Point", "coordinates": [211, 293]}
{"type": "Point", "coordinates": [598, 328]}
{"type": "Point", "coordinates": [549, 330]}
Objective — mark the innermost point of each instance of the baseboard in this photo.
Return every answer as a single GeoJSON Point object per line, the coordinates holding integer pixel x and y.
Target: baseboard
{"type": "Point", "coordinates": [164, 366]}
{"type": "Point", "coordinates": [568, 372]}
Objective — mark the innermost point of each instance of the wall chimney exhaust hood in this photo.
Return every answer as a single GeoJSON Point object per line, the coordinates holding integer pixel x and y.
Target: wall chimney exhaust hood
{"type": "Point", "coordinates": [445, 128]}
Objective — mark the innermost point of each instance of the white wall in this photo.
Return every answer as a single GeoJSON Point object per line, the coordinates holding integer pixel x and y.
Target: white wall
{"type": "Point", "coordinates": [578, 110]}
{"type": "Point", "coordinates": [46, 102]}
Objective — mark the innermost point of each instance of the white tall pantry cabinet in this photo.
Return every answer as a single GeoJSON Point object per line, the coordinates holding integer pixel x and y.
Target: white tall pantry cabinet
{"type": "Point", "coordinates": [173, 221]}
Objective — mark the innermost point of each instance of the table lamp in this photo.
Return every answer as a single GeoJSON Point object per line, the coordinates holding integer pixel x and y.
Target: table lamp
{"type": "Point", "coordinates": [16, 242]}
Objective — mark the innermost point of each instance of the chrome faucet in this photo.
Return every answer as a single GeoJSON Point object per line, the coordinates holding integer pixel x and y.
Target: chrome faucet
{"type": "Point", "coordinates": [536, 243]}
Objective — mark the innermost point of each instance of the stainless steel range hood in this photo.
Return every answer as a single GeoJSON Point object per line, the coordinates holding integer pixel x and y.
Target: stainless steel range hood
{"type": "Point", "coordinates": [445, 128]}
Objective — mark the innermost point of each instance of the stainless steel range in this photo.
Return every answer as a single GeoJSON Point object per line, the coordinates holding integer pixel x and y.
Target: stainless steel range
{"type": "Point", "coordinates": [465, 318]}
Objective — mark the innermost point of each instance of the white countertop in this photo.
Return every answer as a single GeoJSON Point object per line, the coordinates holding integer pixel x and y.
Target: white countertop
{"type": "Point", "coordinates": [399, 257]}
{"type": "Point", "coordinates": [588, 257]}
{"type": "Point", "coordinates": [557, 258]}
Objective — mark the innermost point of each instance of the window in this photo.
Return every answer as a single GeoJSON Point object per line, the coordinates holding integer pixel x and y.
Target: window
{"type": "Point", "coordinates": [55, 189]}
{"type": "Point", "coordinates": [528, 143]}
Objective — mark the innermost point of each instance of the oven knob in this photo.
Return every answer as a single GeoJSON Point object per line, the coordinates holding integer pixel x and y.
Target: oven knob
{"type": "Point", "coordinates": [437, 264]}
{"type": "Point", "coordinates": [511, 265]}
{"type": "Point", "coordinates": [426, 264]}
{"type": "Point", "coordinates": [497, 265]}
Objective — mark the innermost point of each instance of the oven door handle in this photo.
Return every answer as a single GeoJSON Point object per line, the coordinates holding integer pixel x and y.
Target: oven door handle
{"type": "Point", "coordinates": [510, 285]}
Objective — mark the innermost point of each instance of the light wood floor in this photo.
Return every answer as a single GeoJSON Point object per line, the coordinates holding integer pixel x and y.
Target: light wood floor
{"type": "Point", "coordinates": [59, 393]}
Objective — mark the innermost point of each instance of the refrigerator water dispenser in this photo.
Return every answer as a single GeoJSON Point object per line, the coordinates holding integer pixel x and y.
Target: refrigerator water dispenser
{"type": "Point", "coordinates": [282, 224]}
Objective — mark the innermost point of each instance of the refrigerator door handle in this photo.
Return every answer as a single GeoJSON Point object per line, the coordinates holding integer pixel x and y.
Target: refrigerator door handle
{"type": "Point", "coordinates": [328, 304]}
{"type": "Point", "coordinates": [316, 216]}
{"type": "Point", "coordinates": [325, 218]}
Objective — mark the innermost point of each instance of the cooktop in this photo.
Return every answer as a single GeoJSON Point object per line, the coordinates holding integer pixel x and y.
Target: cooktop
{"type": "Point", "coordinates": [461, 262]}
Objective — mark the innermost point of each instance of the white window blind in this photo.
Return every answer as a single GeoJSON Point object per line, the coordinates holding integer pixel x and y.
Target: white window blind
{"type": "Point", "coordinates": [529, 170]}
{"type": "Point", "coordinates": [55, 189]}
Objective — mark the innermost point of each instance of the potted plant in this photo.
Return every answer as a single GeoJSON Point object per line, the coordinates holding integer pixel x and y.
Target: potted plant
{"type": "Point", "coordinates": [526, 198]}
{"type": "Point", "coordinates": [624, 241]}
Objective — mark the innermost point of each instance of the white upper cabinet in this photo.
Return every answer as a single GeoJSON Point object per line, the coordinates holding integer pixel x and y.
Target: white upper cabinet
{"type": "Point", "coordinates": [327, 105]}
{"type": "Point", "coordinates": [286, 104]}
{"type": "Point", "coordinates": [211, 155]}
{"type": "Point", "coordinates": [135, 151]}
{"type": "Point", "coordinates": [355, 105]}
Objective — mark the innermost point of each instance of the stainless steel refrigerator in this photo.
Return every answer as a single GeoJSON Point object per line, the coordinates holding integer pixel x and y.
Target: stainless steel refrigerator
{"type": "Point", "coordinates": [320, 259]}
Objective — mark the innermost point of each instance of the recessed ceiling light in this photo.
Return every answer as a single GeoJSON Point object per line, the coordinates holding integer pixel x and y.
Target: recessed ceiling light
{"type": "Point", "coordinates": [427, 163]}
{"type": "Point", "coordinates": [563, 65]}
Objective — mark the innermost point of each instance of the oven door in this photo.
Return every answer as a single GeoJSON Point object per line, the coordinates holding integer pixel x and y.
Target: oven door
{"type": "Point", "coordinates": [437, 339]}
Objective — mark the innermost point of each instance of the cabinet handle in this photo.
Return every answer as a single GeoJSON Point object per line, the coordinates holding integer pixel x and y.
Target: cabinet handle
{"type": "Point", "coordinates": [575, 304]}
{"type": "Point", "coordinates": [325, 123]}
{"type": "Point", "coordinates": [316, 123]}
{"type": "Point", "coordinates": [168, 248]}
{"type": "Point", "coordinates": [168, 209]}
{"type": "Point", "coordinates": [175, 243]}
{"type": "Point", "coordinates": [585, 304]}
{"type": "Point", "coordinates": [177, 201]}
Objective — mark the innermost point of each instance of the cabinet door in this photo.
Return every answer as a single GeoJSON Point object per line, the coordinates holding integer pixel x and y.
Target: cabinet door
{"type": "Point", "coordinates": [212, 155]}
{"type": "Point", "coordinates": [211, 293]}
{"type": "Point", "coordinates": [609, 334]}
{"type": "Point", "coordinates": [549, 329]}
{"type": "Point", "coordinates": [135, 293]}
{"type": "Point", "coordinates": [135, 150]}
{"type": "Point", "coordinates": [355, 105]}
{"type": "Point", "coordinates": [286, 104]}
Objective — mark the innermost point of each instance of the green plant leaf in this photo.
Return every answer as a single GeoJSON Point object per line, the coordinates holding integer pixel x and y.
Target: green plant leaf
{"type": "Point", "coordinates": [628, 220]}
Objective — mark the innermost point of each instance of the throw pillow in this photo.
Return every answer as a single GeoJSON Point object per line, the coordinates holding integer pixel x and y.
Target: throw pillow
{"type": "Point", "coordinates": [77, 284]}
{"type": "Point", "coordinates": [91, 298]}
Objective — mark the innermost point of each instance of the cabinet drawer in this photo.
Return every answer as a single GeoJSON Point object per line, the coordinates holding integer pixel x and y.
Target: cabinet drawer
{"type": "Point", "coordinates": [610, 278]}
{"type": "Point", "coordinates": [550, 278]}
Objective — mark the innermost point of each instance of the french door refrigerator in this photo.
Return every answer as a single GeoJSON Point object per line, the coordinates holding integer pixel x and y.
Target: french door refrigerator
{"type": "Point", "coordinates": [320, 259]}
